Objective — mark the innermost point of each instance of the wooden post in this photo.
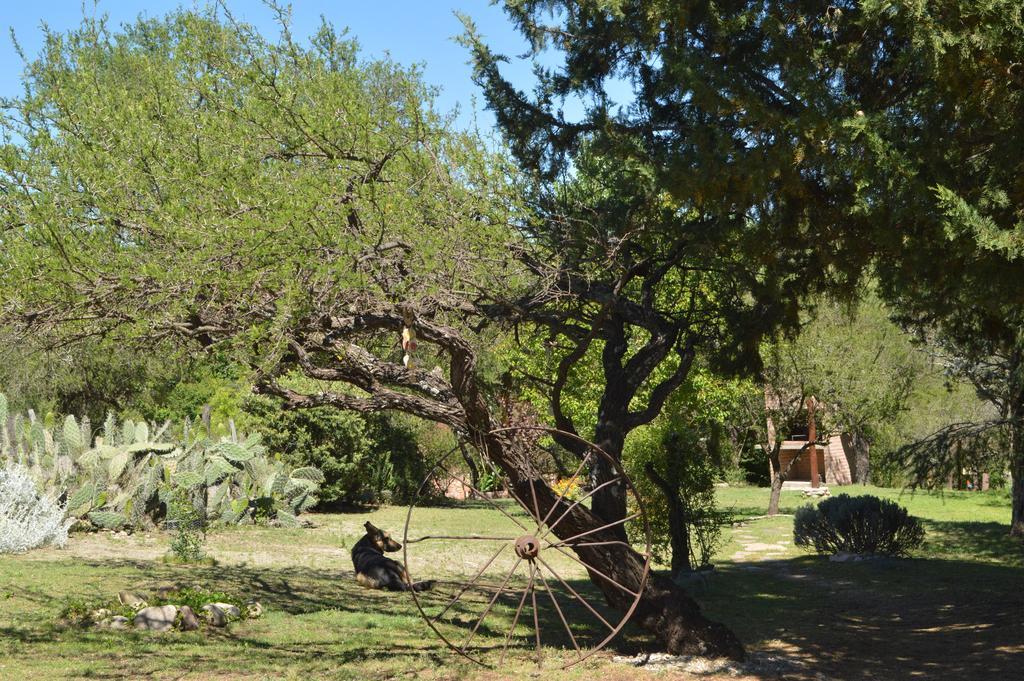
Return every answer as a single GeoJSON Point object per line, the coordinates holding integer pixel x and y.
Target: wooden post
{"type": "Point", "coordinates": [812, 436]}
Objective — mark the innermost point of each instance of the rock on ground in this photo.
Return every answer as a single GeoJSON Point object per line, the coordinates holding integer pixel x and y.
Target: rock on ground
{"type": "Point", "coordinates": [253, 609]}
{"type": "Point", "coordinates": [156, 618]}
{"type": "Point", "coordinates": [132, 600]}
{"type": "Point", "coordinates": [188, 621]}
{"type": "Point", "coordinates": [232, 611]}
{"type": "Point", "coordinates": [118, 622]}
{"type": "Point", "coordinates": [757, 664]}
{"type": "Point", "coordinates": [219, 614]}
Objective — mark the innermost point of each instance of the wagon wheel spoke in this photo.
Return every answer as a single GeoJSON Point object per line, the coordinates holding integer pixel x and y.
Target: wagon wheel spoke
{"type": "Point", "coordinates": [593, 569]}
{"type": "Point", "coordinates": [457, 536]}
{"type": "Point", "coordinates": [515, 620]}
{"type": "Point", "coordinates": [485, 498]}
{"type": "Point", "coordinates": [580, 501]}
{"type": "Point", "coordinates": [558, 609]}
{"type": "Point", "coordinates": [599, 543]}
{"type": "Point", "coordinates": [567, 540]}
{"type": "Point", "coordinates": [568, 486]}
{"type": "Point", "coordinates": [468, 586]}
{"type": "Point", "coordinates": [519, 500]}
{"type": "Point", "coordinates": [536, 507]}
{"type": "Point", "coordinates": [487, 611]}
{"type": "Point", "coordinates": [577, 596]}
{"type": "Point", "coordinates": [536, 617]}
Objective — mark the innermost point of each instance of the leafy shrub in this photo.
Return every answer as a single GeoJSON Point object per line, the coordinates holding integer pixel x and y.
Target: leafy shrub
{"type": "Point", "coordinates": [188, 540]}
{"type": "Point", "coordinates": [395, 438]}
{"type": "Point", "coordinates": [80, 612]}
{"type": "Point", "coordinates": [861, 524]}
{"type": "Point", "coordinates": [28, 519]}
{"type": "Point", "coordinates": [331, 440]}
{"type": "Point", "coordinates": [490, 481]}
{"type": "Point", "coordinates": [753, 467]}
{"type": "Point", "coordinates": [83, 613]}
{"type": "Point", "coordinates": [196, 598]}
{"type": "Point", "coordinates": [364, 458]}
{"type": "Point", "coordinates": [677, 453]}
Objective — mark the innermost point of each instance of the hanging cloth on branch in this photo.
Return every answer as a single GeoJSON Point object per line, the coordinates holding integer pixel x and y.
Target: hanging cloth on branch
{"type": "Point", "coordinates": [408, 340]}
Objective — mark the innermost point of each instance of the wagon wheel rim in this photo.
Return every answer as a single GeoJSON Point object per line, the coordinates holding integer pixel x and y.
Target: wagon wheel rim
{"type": "Point", "coordinates": [529, 546]}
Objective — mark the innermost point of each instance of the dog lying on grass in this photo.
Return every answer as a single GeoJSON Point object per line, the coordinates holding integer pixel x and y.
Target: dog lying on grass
{"type": "Point", "coordinates": [374, 570]}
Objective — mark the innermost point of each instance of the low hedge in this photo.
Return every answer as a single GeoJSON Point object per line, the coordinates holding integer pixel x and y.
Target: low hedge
{"type": "Point", "coordinates": [861, 524]}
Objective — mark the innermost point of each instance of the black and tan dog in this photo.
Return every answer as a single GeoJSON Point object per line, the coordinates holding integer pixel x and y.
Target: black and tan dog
{"type": "Point", "coordinates": [375, 570]}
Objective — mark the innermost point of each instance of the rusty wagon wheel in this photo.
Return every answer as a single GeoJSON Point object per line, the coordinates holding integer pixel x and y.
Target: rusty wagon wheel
{"type": "Point", "coordinates": [518, 564]}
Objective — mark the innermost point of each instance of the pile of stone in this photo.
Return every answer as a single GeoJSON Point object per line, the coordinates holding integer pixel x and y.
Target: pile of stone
{"type": "Point", "coordinates": [168, 617]}
{"type": "Point", "coordinates": [757, 665]}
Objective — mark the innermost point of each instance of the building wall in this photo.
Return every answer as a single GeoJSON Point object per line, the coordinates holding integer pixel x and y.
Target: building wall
{"type": "Point", "coordinates": [832, 462]}
{"type": "Point", "coordinates": [801, 470]}
{"type": "Point", "coordinates": [837, 463]}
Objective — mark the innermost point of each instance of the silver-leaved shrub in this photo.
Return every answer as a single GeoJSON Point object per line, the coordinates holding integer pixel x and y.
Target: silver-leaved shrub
{"type": "Point", "coordinates": [28, 519]}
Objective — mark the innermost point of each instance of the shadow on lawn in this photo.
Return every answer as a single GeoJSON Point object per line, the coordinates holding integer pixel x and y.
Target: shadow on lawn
{"type": "Point", "coordinates": [887, 619]}
{"type": "Point", "coordinates": [987, 541]}
{"type": "Point", "coordinates": [300, 591]}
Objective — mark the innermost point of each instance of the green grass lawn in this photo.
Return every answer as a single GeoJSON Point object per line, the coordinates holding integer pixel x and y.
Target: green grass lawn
{"type": "Point", "coordinates": [954, 611]}
{"type": "Point", "coordinates": [969, 526]}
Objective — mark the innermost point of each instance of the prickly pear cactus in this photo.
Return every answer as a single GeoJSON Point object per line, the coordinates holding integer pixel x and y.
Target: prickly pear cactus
{"type": "Point", "coordinates": [126, 476]}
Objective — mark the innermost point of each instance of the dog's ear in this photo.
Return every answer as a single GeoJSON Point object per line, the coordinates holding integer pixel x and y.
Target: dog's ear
{"type": "Point", "coordinates": [370, 527]}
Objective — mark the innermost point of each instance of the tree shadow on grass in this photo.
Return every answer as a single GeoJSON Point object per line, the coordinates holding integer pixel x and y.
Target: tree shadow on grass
{"type": "Point", "coordinates": [886, 619]}
{"type": "Point", "coordinates": [983, 541]}
{"type": "Point", "coordinates": [336, 602]}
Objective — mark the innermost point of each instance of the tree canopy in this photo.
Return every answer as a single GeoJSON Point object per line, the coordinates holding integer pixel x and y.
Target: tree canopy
{"type": "Point", "coordinates": [186, 178]}
{"type": "Point", "coordinates": [943, 99]}
{"type": "Point", "coordinates": [190, 177]}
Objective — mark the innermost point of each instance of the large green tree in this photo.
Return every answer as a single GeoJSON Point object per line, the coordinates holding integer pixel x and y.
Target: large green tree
{"type": "Point", "coordinates": [941, 86]}
{"type": "Point", "coordinates": [295, 207]}
{"type": "Point", "coordinates": [690, 217]}
{"type": "Point", "coordinates": [858, 365]}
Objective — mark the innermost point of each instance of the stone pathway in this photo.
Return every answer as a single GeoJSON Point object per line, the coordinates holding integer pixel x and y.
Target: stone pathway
{"type": "Point", "coordinates": [752, 549]}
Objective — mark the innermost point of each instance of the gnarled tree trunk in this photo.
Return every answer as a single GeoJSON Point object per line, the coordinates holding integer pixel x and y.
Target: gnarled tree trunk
{"type": "Point", "coordinates": [329, 353]}
{"type": "Point", "coordinates": [664, 608]}
{"type": "Point", "coordinates": [858, 444]}
{"type": "Point", "coordinates": [678, 530]}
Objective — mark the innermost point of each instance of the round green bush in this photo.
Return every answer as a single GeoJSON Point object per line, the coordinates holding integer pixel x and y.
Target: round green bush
{"type": "Point", "coordinates": [862, 524]}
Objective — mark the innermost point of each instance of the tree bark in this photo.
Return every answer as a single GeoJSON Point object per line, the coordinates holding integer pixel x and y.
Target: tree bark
{"type": "Point", "coordinates": [778, 477]}
{"type": "Point", "coordinates": [861, 457]}
{"type": "Point", "coordinates": [776, 494]}
{"type": "Point", "coordinates": [664, 608]}
{"type": "Point", "coordinates": [474, 471]}
{"type": "Point", "coordinates": [609, 503]}
{"type": "Point", "coordinates": [1017, 472]}
{"type": "Point", "coordinates": [1017, 495]}
{"type": "Point", "coordinates": [678, 529]}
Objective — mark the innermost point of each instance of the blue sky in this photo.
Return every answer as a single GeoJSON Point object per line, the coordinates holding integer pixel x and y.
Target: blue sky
{"type": "Point", "coordinates": [412, 32]}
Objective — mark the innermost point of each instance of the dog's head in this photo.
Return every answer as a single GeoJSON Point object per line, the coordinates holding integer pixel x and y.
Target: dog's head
{"type": "Point", "coordinates": [381, 539]}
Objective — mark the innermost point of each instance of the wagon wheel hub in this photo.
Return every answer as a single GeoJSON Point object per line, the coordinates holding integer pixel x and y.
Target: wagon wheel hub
{"type": "Point", "coordinates": [527, 547]}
